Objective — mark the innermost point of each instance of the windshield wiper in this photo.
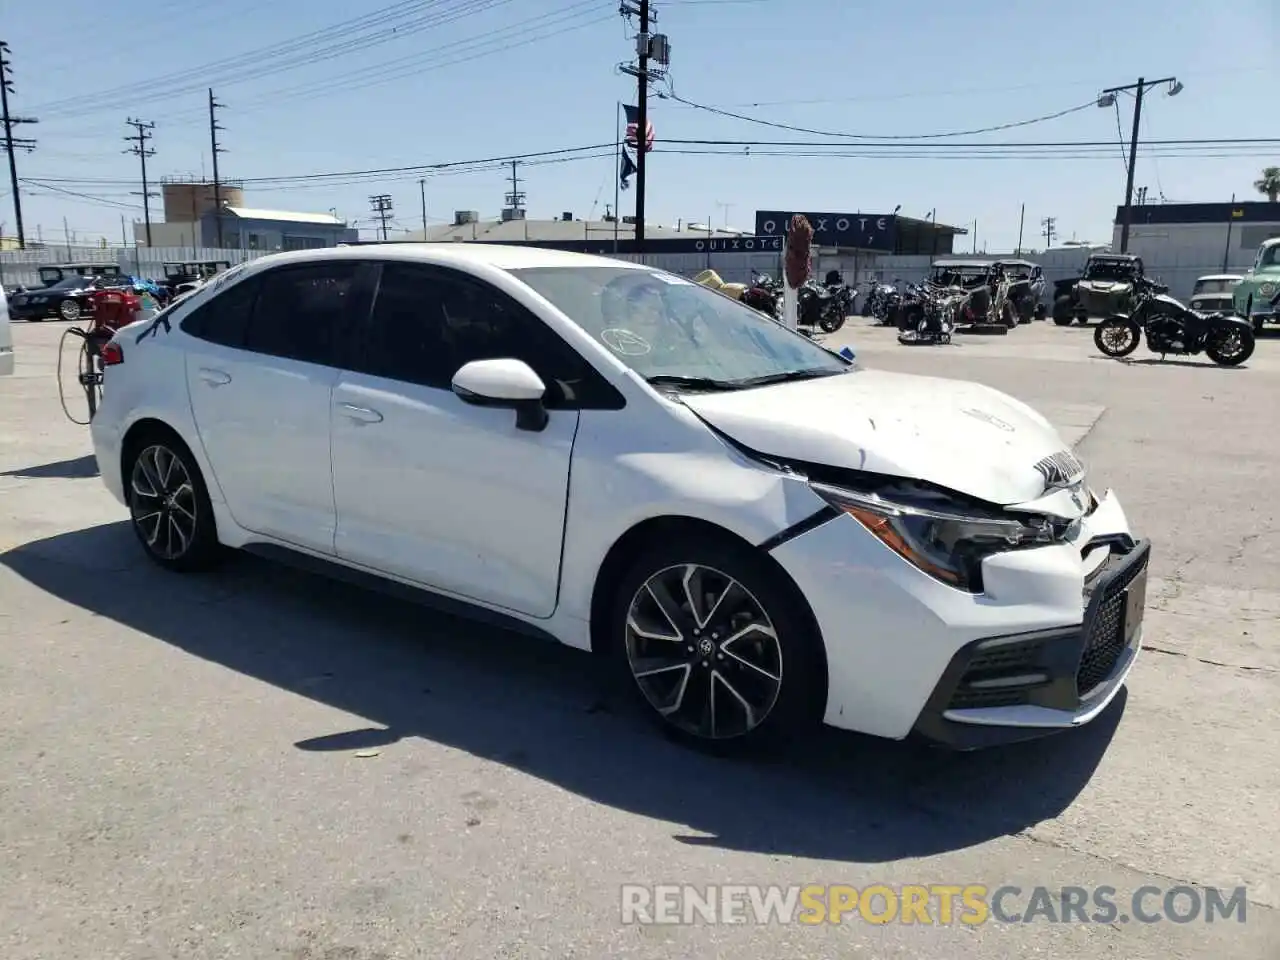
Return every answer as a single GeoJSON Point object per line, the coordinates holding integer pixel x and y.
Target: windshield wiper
{"type": "Point", "coordinates": [788, 377]}
{"type": "Point", "coordinates": [690, 383]}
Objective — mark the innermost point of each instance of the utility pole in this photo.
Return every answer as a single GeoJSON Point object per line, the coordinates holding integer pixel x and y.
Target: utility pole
{"type": "Point", "coordinates": [12, 143]}
{"type": "Point", "coordinates": [140, 150]}
{"type": "Point", "coordinates": [381, 206]}
{"type": "Point", "coordinates": [422, 187]}
{"type": "Point", "coordinates": [1108, 99]}
{"type": "Point", "coordinates": [1022, 219]}
{"type": "Point", "coordinates": [214, 127]}
{"type": "Point", "coordinates": [515, 199]}
{"type": "Point", "coordinates": [1050, 231]}
{"type": "Point", "coordinates": [653, 48]}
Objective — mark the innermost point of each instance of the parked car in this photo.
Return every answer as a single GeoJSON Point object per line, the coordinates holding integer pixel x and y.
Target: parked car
{"type": "Point", "coordinates": [1256, 294]}
{"type": "Point", "coordinates": [68, 299]}
{"type": "Point", "coordinates": [1026, 288]}
{"type": "Point", "coordinates": [6, 337]}
{"type": "Point", "coordinates": [1215, 293]}
{"type": "Point", "coordinates": [754, 533]}
{"type": "Point", "coordinates": [56, 273]}
{"type": "Point", "coordinates": [1104, 289]}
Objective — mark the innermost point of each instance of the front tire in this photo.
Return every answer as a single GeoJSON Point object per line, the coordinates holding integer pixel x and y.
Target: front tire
{"type": "Point", "coordinates": [722, 655]}
{"type": "Point", "coordinates": [1117, 336]}
{"type": "Point", "coordinates": [169, 504]}
{"type": "Point", "coordinates": [69, 310]}
{"type": "Point", "coordinates": [1230, 348]}
{"type": "Point", "coordinates": [1063, 311]}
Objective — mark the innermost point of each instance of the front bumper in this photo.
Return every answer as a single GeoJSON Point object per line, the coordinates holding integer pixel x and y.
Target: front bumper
{"type": "Point", "coordinates": [907, 654]}
{"type": "Point", "coordinates": [1018, 687]}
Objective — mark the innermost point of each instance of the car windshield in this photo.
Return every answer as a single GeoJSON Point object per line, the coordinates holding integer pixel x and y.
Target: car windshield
{"type": "Point", "coordinates": [1214, 286]}
{"type": "Point", "coordinates": [1270, 257]}
{"type": "Point", "coordinates": [1110, 270]}
{"type": "Point", "coordinates": [667, 328]}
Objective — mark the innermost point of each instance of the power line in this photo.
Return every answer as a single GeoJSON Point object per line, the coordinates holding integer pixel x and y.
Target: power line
{"type": "Point", "coordinates": [140, 149]}
{"type": "Point", "coordinates": [13, 144]}
{"type": "Point", "coordinates": [671, 95]}
{"type": "Point", "coordinates": [386, 21]}
{"type": "Point", "coordinates": [490, 43]}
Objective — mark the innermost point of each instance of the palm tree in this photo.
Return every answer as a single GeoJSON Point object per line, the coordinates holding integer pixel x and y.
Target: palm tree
{"type": "Point", "coordinates": [1269, 183]}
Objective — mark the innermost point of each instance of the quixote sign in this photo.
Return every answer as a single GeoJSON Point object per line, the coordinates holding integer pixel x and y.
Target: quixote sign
{"type": "Point", "coordinates": [865, 231]}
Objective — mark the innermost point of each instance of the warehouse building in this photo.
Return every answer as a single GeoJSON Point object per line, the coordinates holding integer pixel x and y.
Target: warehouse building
{"type": "Point", "coordinates": [849, 243]}
{"type": "Point", "coordinates": [1183, 241]}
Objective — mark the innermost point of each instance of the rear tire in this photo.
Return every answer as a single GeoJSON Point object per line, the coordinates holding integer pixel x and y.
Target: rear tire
{"type": "Point", "coordinates": [1109, 336]}
{"type": "Point", "coordinates": [1215, 351]}
{"type": "Point", "coordinates": [169, 504]}
{"type": "Point", "coordinates": [720, 652]}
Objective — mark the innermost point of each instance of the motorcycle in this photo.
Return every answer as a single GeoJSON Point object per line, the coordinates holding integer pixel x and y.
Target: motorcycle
{"type": "Point", "coordinates": [1173, 328]}
{"type": "Point", "coordinates": [881, 302]}
{"type": "Point", "coordinates": [823, 306]}
{"type": "Point", "coordinates": [764, 294]}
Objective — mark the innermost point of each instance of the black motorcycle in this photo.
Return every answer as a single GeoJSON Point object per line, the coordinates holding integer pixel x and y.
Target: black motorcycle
{"type": "Point", "coordinates": [823, 306]}
{"type": "Point", "coordinates": [1173, 328]}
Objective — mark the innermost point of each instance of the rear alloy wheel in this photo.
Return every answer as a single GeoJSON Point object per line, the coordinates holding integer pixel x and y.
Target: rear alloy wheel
{"type": "Point", "coordinates": [69, 310]}
{"type": "Point", "coordinates": [170, 507]}
{"type": "Point", "coordinates": [717, 650]}
{"type": "Point", "coordinates": [1231, 347]}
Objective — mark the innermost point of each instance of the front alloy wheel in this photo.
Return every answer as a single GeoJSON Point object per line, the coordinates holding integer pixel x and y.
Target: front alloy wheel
{"type": "Point", "coordinates": [704, 652]}
{"type": "Point", "coordinates": [69, 310]}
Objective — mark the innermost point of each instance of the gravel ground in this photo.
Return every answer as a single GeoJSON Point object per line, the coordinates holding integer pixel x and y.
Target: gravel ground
{"type": "Point", "coordinates": [259, 764]}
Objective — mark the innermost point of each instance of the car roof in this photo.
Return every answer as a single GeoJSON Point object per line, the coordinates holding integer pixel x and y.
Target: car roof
{"type": "Point", "coordinates": [1017, 263]}
{"type": "Point", "coordinates": [1114, 256]}
{"type": "Point", "coordinates": [963, 263]}
{"type": "Point", "coordinates": [450, 254]}
{"type": "Point", "coordinates": [1220, 276]}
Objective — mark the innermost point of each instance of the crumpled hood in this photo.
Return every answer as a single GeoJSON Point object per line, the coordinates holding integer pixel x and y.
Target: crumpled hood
{"type": "Point", "coordinates": [960, 435]}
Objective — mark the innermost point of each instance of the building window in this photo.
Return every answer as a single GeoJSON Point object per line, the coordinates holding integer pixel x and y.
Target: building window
{"type": "Point", "coordinates": [254, 242]}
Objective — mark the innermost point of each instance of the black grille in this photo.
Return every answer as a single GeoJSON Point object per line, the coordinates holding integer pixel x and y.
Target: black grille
{"type": "Point", "coordinates": [1004, 660]}
{"type": "Point", "coordinates": [1105, 641]}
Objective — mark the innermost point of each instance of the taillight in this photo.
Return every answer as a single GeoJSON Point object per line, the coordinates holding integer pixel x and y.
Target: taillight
{"type": "Point", "coordinates": [112, 354]}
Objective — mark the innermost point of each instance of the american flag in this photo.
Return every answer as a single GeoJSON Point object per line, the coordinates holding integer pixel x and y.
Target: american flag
{"type": "Point", "coordinates": [633, 126]}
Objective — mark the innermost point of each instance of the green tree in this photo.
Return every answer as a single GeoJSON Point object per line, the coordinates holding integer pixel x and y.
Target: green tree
{"type": "Point", "coordinates": [1269, 183]}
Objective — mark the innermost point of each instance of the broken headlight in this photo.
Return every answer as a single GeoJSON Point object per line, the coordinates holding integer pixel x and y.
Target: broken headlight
{"type": "Point", "coordinates": [946, 540]}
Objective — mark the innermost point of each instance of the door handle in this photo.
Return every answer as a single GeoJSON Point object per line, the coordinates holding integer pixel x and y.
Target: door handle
{"type": "Point", "coordinates": [215, 378]}
{"type": "Point", "coordinates": [360, 414]}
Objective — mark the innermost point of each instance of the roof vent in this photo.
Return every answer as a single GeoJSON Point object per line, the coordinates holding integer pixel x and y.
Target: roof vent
{"type": "Point", "coordinates": [567, 216]}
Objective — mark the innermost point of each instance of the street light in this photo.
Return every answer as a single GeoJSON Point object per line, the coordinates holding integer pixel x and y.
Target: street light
{"type": "Point", "coordinates": [1108, 99]}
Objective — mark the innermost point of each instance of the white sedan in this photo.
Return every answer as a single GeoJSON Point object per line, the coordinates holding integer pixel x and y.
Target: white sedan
{"type": "Point", "coordinates": [755, 533]}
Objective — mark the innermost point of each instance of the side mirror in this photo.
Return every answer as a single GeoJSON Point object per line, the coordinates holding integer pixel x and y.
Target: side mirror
{"type": "Point", "coordinates": [507, 383]}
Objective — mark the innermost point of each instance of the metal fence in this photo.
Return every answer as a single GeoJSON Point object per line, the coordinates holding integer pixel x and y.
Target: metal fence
{"type": "Point", "coordinates": [1164, 263]}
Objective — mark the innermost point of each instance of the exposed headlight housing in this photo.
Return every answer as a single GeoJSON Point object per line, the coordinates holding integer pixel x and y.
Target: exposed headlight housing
{"type": "Point", "coordinates": [948, 541]}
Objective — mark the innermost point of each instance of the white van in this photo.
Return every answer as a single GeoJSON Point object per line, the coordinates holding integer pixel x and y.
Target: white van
{"type": "Point", "coordinates": [6, 337]}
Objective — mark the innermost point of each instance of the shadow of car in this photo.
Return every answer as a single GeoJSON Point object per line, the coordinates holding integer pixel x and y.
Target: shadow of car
{"type": "Point", "coordinates": [540, 708]}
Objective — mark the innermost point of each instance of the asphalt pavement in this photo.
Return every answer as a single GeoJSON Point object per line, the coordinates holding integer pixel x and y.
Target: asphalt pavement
{"type": "Point", "coordinates": [261, 764]}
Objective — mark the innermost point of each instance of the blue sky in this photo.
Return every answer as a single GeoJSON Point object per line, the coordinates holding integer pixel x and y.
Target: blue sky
{"type": "Point", "coordinates": [451, 80]}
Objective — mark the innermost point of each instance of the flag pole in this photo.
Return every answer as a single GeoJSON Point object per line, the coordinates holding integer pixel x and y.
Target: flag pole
{"type": "Point", "coordinates": [617, 168]}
